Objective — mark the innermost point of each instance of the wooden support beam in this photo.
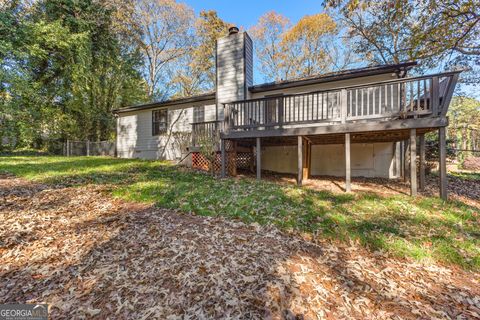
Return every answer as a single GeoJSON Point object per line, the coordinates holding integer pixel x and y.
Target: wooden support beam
{"type": "Point", "coordinates": [300, 160]}
{"type": "Point", "coordinates": [442, 163]}
{"type": "Point", "coordinates": [348, 172]}
{"type": "Point", "coordinates": [341, 128]}
{"type": "Point", "coordinates": [223, 158]}
{"type": "Point", "coordinates": [259, 159]}
{"type": "Point", "coordinates": [422, 162]}
{"type": "Point", "coordinates": [308, 139]}
{"type": "Point", "coordinates": [413, 162]}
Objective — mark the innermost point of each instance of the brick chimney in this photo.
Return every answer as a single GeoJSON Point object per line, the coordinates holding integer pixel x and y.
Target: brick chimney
{"type": "Point", "coordinates": [234, 67]}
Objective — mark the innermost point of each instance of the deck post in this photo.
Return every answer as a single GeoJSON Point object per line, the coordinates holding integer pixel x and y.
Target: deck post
{"type": "Point", "coordinates": [300, 160]}
{"type": "Point", "coordinates": [422, 161]}
{"type": "Point", "coordinates": [259, 159]}
{"type": "Point", "coordinates": [223, 157]}
{"type": "Point", "coordinates": [413, 162]}
{"type": "Point", "coordinates": [442, 162]}
{"type": "Point", "coordinates": [348, 172]}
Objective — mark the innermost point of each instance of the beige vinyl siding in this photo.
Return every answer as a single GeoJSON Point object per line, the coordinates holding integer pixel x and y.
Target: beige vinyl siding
{"type": "Point", "coordinates": [248, 63]}
{"type": "Point", "coordinates": [230, 68]}
{"type": "Point", "coordinates": [209, 113]}
{"type": "Point", "coordinates": [367, 159]}
{"type": "Point", "coordinates": [135, 138]}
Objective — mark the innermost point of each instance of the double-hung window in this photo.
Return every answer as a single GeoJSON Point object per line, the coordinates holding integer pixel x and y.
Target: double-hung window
{"type": "Point", "coordinates": [159, 121]}
{"type": "Point", "coordinates": [198, 114]}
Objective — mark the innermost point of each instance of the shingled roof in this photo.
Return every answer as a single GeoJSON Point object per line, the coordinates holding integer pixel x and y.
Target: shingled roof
{"type": "Point", "coordinates": [326, 77]}
{"type": "Point", "coordinates": [333, 76]}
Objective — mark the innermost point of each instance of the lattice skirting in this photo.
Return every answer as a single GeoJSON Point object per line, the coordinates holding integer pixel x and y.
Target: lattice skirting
{"type": "Point", "coordinates": [244, 160]}
{"type": "Point", "coordinates": [234, 160]}
{"type": "Point", "coordinates": [199, 161]}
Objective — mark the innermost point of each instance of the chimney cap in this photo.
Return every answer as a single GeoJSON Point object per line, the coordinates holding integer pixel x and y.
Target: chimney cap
{"type": "Point", "coordinates": [232, 30]}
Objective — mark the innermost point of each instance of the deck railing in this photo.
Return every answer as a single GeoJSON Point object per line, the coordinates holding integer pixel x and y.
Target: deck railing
{"type": "Point", "coordinates": [401, 98]}
{"type": "Point", "coordinates": [204, 131]}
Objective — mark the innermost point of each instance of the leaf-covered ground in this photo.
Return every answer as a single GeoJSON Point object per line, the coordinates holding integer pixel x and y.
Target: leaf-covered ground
{"type": "Point", "coordinates": [90, 255]}
{"type": "Point", "coordinates": [379, 214]}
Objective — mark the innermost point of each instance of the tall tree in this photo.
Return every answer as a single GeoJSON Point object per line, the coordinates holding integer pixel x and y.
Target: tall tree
{"type": "Point", "coordinates": [382, 31]}
{"type": "Point", "coordinates": [163, 31]}
{"type": "Point", "coordinates": [271, 53]}
{"type": "Point", "coordinates": [195, 72]}
{"type": "Point", "coordinates": [68, 70]}
{"type": "Point", "coordinates": [304, 49]}
{"type": "Point", "coordinates": [464, 115]}
{"type": "Point", "coordinates": [209, 27]}
{"type": "Point", "coordinates": [433, 32]}
{"type": "Point", "coordinates": [307, 42]}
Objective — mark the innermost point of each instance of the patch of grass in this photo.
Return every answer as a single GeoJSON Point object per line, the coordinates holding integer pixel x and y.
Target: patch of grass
{"type": "Point", "coordinates": [420, 228]}
{"type": "Point", "coordinates": [466, 175]}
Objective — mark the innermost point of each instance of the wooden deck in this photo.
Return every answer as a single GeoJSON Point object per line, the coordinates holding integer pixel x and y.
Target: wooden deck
{"type": "Point", "coordinates": [369, 107]}
{"type": "Point", "coordinates": [388, 111]}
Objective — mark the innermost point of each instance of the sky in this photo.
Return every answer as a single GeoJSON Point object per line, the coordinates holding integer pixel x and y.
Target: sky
{"type": "Point", "coordinates": [245, 13]}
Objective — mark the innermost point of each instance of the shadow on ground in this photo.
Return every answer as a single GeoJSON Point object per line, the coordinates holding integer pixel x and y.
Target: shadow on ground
{"type": "Point", "coordinates": [421, 228]}
{"type": "Point", "coordinates": [91, 256]}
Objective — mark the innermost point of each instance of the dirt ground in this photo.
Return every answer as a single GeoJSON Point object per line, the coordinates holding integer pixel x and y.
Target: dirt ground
{"type": "Point", "coordinates": [91, 256]}
{"type": "Point", "coordinates": [467, 191]}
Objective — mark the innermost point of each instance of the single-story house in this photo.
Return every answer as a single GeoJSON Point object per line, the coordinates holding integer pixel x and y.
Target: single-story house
{"type": "Point", "coordinates": [358, 122]}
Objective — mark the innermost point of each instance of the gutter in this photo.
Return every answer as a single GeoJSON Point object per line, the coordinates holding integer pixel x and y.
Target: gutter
{"type": "Point", "coordinates": [167, 103]}
{"type": "Point", "coordinates": [337, 76]}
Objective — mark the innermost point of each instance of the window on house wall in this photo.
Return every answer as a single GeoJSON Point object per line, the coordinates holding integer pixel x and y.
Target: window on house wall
{"type": "Point", "coordinates": [198, 114]}
{"type": "Point", "coordinates": [159, 121]}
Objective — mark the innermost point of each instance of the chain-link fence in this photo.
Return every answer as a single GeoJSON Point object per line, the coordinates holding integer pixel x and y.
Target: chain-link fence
{"type": "Point", "coordinates": [89, 148]}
